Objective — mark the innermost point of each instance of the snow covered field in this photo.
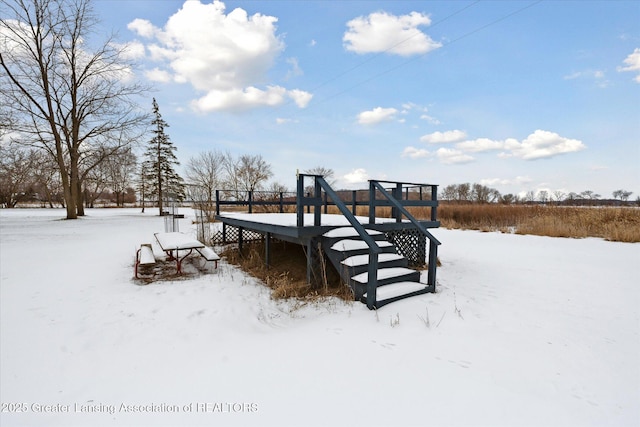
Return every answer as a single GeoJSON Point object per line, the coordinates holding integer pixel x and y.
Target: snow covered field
{"type": "Point", "coordinates": [523, 331]}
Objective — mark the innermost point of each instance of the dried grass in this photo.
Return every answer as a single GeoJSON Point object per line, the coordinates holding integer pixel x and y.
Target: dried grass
{"type": "Point", "coordinates": [287, 274]}
{"type": "Point", "coordinates": [618, 224]}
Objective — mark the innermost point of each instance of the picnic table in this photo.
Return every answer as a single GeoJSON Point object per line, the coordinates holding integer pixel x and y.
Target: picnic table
{"type": "Point", "coordinates": [175, 241]}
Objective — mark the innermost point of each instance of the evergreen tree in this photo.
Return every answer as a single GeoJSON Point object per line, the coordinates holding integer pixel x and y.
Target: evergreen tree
{"type": "Point", "coordinates": [161, 179]}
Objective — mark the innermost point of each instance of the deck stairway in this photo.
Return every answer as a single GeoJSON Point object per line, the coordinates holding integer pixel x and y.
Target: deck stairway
{"type": "Point", "coordinates": [372, 266]}
{"type": "Point", "coordinates": [349, 254]}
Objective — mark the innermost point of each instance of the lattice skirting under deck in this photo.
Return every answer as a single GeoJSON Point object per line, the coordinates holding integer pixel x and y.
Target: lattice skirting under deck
{"type": "Point", "coordinates": [411, 243]}
{"type": "Point", "coordinates": [231, 234]}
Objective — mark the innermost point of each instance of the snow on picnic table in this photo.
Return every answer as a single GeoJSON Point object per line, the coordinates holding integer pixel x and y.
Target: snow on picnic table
{"type": "Point", "coordinates": [524, 330]}
{"type": "Point", "coordinates": [177, 240]}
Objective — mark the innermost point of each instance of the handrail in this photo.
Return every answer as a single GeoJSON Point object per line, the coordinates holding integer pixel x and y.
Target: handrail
{"type": "Point", "coordinates": [374, 249]}
{"type": "Point", "coordinates": [405, 212]}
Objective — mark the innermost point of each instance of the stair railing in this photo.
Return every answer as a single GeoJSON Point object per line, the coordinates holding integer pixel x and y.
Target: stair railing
{"type": "Point", "coordinates": [374, 249]}
{"type": "Point", "coordinates": [433, 242]}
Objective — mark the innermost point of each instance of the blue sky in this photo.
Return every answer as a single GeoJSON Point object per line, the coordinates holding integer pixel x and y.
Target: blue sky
{"type": "Point", "coordinates": [518, 96]}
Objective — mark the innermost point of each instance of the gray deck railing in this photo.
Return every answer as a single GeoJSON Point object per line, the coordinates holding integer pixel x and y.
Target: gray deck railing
{"type": "Point", "coordinates": [388, 198]}
{"type": "Point", "coordinates": [320, 184]}
{"type": "Point", "coordinates": [409, 194]}
{"type": "Point", "coordinates": [400, 210]}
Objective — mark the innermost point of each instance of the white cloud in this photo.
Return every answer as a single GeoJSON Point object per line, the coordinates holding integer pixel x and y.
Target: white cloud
{"type": "Point", "coordinates": [538, 145]}
{"type": "Point", "coordinates": [224, 55]}
{"type": "Point", "coordinates": [430, 119]}
{"type": "Point", "coordinates": [158, 75]}
{"type": "Point", "coordinates": [450, 156]}
{"type": "Point", "coordinates": [383, 32]}
{"type": "Point", "coordinates": [295, 68]}
{"type": "Point", "coordinates": [282, 121]}
{"type": "Point", "coordinates": [143, 28]}
{"type": "Point", "coordinates": [300, 97]}
{"type": "Point", "coordinates": [377, 115]}
{"type": "Point", "coordinates": [632, 63]}
{"type": "Point", "coordinates": [407, 106]}
{"type": "Point", "coordinates": [484, 144]}
{"type": "Point", "coordinates": [443, 137]}
{"type": "Point", "coordinates": [131, 50]}
{"type": "Point", "coordinates": [414, 152]}
{"type": "Point", "coordinates": [505, 181]}
{"type": "Point", "coordinates": [598, 76]}
{"type": "Point", "coordinates": [239, 100]}
{"type": "Point", "coordinates": [542, 144]}
{"type": "Point", "coordinates": [356, 176]}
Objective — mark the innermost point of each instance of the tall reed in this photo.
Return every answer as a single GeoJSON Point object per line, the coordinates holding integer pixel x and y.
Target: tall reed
{"type": "Point", "coordinates": [619, 224]}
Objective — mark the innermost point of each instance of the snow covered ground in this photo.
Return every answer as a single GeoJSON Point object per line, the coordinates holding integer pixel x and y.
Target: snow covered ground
{"type": "Point", "coordinates": [524, 330]}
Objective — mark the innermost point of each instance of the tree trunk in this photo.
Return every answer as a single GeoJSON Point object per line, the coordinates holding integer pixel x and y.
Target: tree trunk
{"type": "Point", "coordinates": [80, 198]}
{"type": "Point", "coordinates": [66, 194]}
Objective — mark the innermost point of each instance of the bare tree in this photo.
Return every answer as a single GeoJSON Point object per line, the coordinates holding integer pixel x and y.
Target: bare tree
{"type": "Point", "coordinates": [483, 194]}
{"type": "Point", "coordinates": [530, 196]}
{"type": "Point", "coordinates": [463, 192]}
{"type": "Point", "coordinates": [206, 170]}
{"type": "Point", "coordinates": [95, 183]}
{"type": "Point", "coordinates": [119, 170]}
{"type": "Point", "coordinates": [254, 172]}
{"type": "Point", "coordinates": [449, 192]}
{"type": "Point", "coordinates": [16, 177]}
{"type": "Point", "coordinates": [589, 195]}
{"type": "Point", "coordinates": [66, 97]}
{"type": "Point", "coordinates": [558, 196]}
{"type": "Point", "coordinates": [508, 199]}
{"type": "Point", "coordinates": [572, 197]}
{"type": "Point", "coordinates": [623, 195]}
{"type": "Point", "coordinates": [272, 193]}
{"type": "Point", "coordinates": [327, 173]}
{"type": "Point", "coordinates": [231, 166]}
{"type": "Point", "coordinates": [47, 180]}
{"type": "Point", "coordinates": [543, 196]}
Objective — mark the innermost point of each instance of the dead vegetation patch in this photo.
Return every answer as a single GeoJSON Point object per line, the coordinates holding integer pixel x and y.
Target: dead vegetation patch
{"type": "Point", "coordinates": [286, 275]}
{"type": "Point", "coordinates": [165, 270]}
{"type": "Point", "coordinates": [617, 224]}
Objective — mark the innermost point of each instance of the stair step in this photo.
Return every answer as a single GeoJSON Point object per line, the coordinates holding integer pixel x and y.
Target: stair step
{"type": "Point", "coordinates": [358, 260]}
{"type": "Point", "coordinates": [353, 245]}
{"type": "Point", "coordinates": [395, 290]}
{"type": "Point", "coordinates": [348, 232]}
{"type": "Point", "coordinates": [384, 273]}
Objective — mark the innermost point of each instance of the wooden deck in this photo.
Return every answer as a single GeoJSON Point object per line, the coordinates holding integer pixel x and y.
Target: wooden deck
{"type": "Point", "coordinates": [403, 234]}
{"type": "Point", "coordinates": [284, 225]}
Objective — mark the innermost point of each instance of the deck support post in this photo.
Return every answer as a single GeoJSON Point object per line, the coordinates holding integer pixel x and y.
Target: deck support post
{"type": "Point", "coordinates": [240, 239]}
{"type": "Point", "coordinates": [434, 209]}
{"type": "Point", "coordinates": [317, 208]}
{"type": "Point", "coordinates": [372, 203]}
{"type": "Point", "coordinates": [433, 259]}
{"type": "Point", "coordinates": [397, 194]}
{"type": "Point", "coordinates": [314, 273]}
{"type": "Point", "coordinates": [354, 201]}
{"type": "Point", "coordinates": [299, 204]}
{"type": "Point", "coordinates": [267, 250]}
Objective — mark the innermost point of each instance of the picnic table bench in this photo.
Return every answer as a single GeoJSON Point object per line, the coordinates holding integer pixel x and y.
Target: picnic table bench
{"type": "Point", "coordinates": [144, 257]}
{"type": "Point", "coordinates": [175, 242]}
